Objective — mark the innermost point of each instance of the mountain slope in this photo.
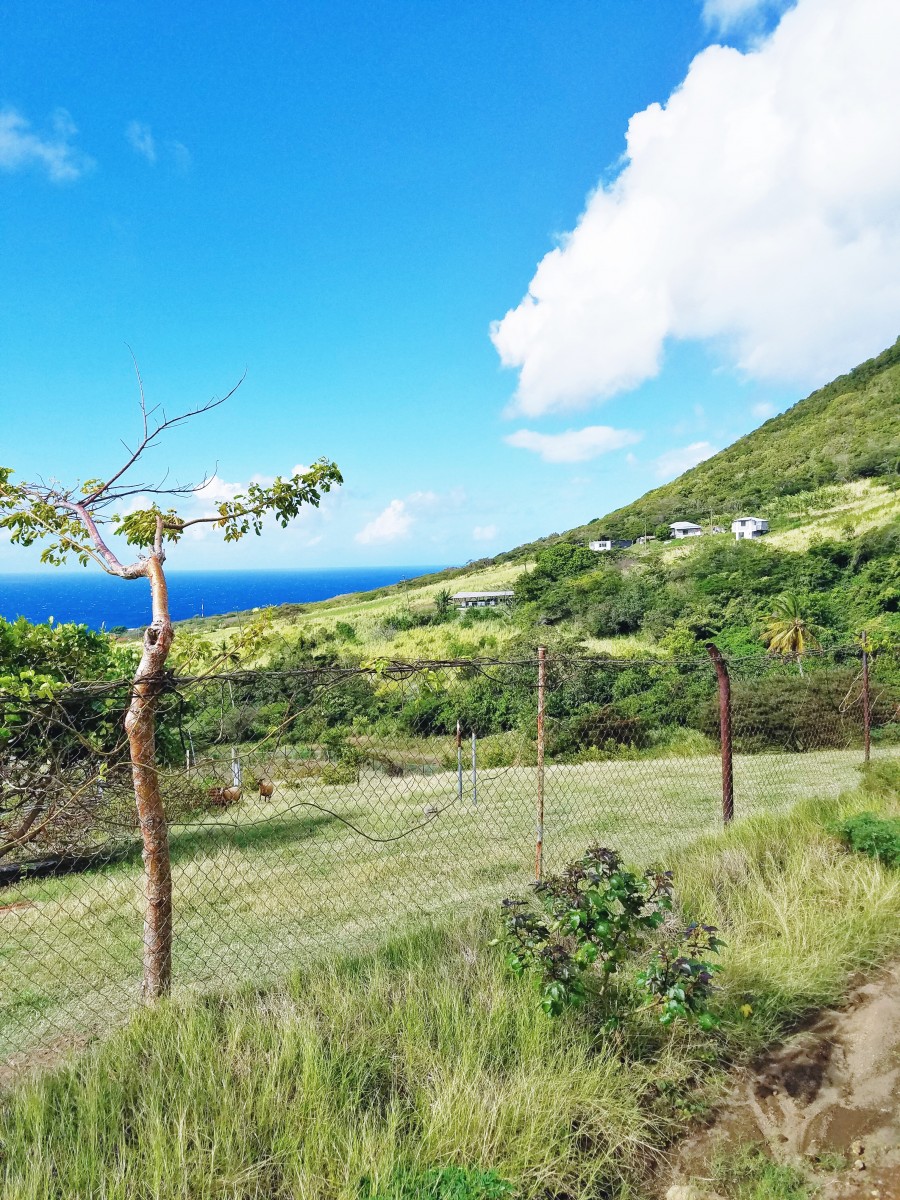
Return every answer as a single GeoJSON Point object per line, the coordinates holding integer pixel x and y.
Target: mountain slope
{"type": "Point", "coordinates": [849, 429]}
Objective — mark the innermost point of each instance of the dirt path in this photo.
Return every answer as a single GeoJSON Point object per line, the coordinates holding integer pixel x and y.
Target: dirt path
{"type": "Point", "coordinates": [831, 1091]}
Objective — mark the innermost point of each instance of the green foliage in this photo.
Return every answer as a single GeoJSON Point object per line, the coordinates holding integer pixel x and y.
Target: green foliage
{"type": "Point", "coordinates": [445, 1183]}
{"type": "Point", "coordinates": [594, 919]}
{"type": "Point", "coordinates": [749, 1174]}
{"type": "Point", "coordinates": [30, 514]}
{"type": "Point", "coordinates": [879, 837]}
{"type": "Point", "coordinates": [443, 603]}
{"type": "Point", "coordinates": [784, 710]}
{"type": "Point", "coordinates": [789, 630]}
{"type": "Point", "coordinates": [679, 977]}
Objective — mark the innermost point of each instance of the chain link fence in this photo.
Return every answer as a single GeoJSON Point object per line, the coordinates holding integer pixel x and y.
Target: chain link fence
{"type": "Point", "coordinates": [320, 809]}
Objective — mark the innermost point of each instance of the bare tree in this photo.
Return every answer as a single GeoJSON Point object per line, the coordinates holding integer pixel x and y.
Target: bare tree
{"type": "Point", "coordinates": [77, 521]}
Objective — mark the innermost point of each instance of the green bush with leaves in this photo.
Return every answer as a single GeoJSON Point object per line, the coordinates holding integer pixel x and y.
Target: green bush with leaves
{"type": "Point", "coordinates": [596, 919]}
{"type": "Point", "coordinates": [879, 837]}
{"type": "Point", "coordinates": [444, 1183]}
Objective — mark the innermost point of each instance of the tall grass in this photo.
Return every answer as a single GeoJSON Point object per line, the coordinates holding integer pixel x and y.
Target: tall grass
{"type": "Point", "coordinates": [426, 1054]}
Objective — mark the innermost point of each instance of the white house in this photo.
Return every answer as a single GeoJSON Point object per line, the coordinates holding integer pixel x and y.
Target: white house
{"type": "Point", "coordinates": [602, 544]}
{"type": "Point", "coordinates": [481, 599]}
{"type": "Point", "coordinates": [683, 529]}
{"type": "Point", "coordinates": [749, 527]}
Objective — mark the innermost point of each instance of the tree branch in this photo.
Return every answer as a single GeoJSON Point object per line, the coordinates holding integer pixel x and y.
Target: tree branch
{"type": "Point", "coordinates": [150, 436]}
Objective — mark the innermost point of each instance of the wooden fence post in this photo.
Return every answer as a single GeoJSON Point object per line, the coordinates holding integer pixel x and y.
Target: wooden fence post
{"type": "Point", "coordinates": [724, 731]}
{"type": "Point", "coordinates": [866, 700]}
{"type": "Point", "coordinates": [539, 844]}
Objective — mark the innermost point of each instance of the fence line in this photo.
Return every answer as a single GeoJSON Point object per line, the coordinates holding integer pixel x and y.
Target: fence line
{"type": "Point", "coordinates": [324, 806]}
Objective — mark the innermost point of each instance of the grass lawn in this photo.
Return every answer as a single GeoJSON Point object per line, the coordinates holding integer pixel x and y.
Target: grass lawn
{"type": "Point", "coordinates": [265, 887]}
{"type": "Point", "coordinates": [367, 1076]}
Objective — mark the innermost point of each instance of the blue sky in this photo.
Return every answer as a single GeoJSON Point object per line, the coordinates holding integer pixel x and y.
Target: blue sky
{"type": "Point", "coordinates": [341, 198]}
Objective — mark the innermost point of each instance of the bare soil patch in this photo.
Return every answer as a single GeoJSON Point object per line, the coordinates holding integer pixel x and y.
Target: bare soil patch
{"type": "Point", "coordinates": [828, 1099]}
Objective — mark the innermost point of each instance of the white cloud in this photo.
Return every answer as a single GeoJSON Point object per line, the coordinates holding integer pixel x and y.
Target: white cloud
{"type": "Point", "coordinates": [575, 445]}
{"type": "Point", "coordinates": [181, 156]}
{"type": "Point", "coordinates": [728, 14]}
{"type": "Point", "coordinates": [21, 147]}
{"type": "Point", "coordinates": [396, 521]}
{"type": "Point", "coordinates": [673, 463]}
{"type": "Point", "coordinates": [763, 410]}
{"type": "Point", "coordinates": [759, 208]}
{"type": "Point", "coordinates": [485, 533]}
{"type": "Point", "coordinates": [140, 138]}
{"type": "Point", "coordinates": [391, 525]}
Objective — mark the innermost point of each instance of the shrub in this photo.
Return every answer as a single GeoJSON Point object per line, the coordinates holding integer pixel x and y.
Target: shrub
{"type": "Point", "coordinates": [879, 837]}
{"type": "Point", "coordinates": [797, 712]}
{"type": "Point", "coordinates": [446, 1183]}
{"type": "Point", "coordinates": [592, 920]}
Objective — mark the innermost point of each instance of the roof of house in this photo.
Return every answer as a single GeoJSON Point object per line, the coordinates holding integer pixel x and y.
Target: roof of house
{"type": "Point", "coordinates": [481, 595]}
{"type": "Point", "coordinates": [684, 525]}
{"type": "Point", "coordinates": [738, 520]}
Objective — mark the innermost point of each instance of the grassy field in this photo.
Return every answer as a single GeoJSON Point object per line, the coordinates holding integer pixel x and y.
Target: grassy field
{"type": "Point", "coordinates": [383, 1074]}
{"type": "Point", "coordinates": [369, 614]}
{"type": "Point", "coordinates": [265, 886]}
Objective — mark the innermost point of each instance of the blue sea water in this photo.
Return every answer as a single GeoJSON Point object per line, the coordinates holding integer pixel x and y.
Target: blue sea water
{"type": "Point", "coordinates": [94, 599]}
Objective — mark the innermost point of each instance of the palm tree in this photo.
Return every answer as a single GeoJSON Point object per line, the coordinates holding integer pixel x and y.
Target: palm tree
{"type": "Point", "coordinates": [789, 631]}
{"type": "Point", "coordinates": [443, 602]}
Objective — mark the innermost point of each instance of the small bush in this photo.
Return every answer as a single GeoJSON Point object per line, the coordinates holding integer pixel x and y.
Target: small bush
{"type": "Point", "coordinates": [339, 772]}
{"type": "Point", "coordinates": [448, 1183]}
{"type": "Point", "coordinates": [879, 837]}
{"type": "Point", "coordinates": [595, 918]}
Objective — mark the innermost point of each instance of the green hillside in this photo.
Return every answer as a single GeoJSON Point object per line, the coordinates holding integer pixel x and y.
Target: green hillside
{"type": "Point", "coordinates": [825, 475]}
{"type": "Point", "coordinates": [849, 429]}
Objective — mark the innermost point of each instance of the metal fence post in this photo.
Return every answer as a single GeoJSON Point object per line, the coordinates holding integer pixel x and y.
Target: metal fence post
{"type": "Point", "coordinates": [724, 731]}
{"type": "Point", "coordinates": [539, 844]}
{"type": "Point", "coordinates": [459, 770]}
{"type": "Point", "coordinates": [474, 770]}
{"type": "Point", "coordinates": [866, 700]}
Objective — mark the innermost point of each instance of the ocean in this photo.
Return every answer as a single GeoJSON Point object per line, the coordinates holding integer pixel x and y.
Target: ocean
{"type": "Point", "coordinates": [94, 599]}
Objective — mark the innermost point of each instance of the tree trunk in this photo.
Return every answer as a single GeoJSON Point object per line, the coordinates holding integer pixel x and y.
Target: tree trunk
{"type": "Point", "coordinates": [140, 725]}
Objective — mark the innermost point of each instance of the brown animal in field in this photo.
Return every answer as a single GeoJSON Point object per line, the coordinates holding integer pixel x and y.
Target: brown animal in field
{"type": "Point", "coordinates": [224, 797]}
{"type": "Point", "coordinates": [266, 788]}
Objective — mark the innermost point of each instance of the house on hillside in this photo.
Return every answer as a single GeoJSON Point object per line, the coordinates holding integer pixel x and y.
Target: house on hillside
{"type": "Point", "coordinates": [603, 544]}
{"type": "Point", "coordinates": [749, 527]}
{"type": "Point", "coordinates": [481, 599]}
{"type": "Point", "coordinates": [685, 529]}
{"type": "Point", "coordinates": [647, 537]}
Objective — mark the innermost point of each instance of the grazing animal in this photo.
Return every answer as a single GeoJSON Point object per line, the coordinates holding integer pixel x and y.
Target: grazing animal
{"type": "Point", "coordinates": [224, 797]}
{"type": "Point", "coordinates": [266, 788]}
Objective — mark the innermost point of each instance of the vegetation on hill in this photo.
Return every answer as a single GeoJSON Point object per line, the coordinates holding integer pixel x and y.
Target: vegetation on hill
{"type": "Point", "coordinates": [849, 429]}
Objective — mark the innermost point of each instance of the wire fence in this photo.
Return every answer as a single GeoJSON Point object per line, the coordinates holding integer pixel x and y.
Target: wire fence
{"type": "Point", "coordinates": [325, 807]}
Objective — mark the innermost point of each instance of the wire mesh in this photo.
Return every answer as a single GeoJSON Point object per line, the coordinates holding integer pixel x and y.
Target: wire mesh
{"type": "Point", "coordinates": [327, 807]}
